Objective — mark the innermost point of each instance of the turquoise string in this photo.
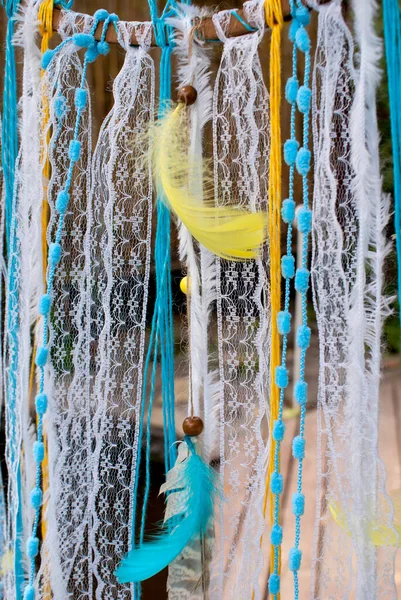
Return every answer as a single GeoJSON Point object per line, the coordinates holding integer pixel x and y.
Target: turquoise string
{"type": "Point", "coordinates": [392, 37]}
{"type": "Point", "coordinates": [284, 348]}
{"type": "Point", "coordinates": [10, 116]}
{"type": "Point", "coordinates": [9, 155]}
{"type": "Point", "coordinates": [162, 328]}
{"type": "Point", "coordinates": [242, 21]}
{"type": "Point", "coordinates": [304, 300]}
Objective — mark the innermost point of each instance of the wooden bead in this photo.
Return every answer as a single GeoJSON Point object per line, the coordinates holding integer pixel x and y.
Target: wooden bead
{"type": "Point", "coordinates": [192, 426]}
{"type": "Point", "coordinates": [187, 95]}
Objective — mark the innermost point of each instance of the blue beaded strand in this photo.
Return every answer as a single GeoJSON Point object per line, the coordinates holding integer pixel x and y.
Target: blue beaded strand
{"type": "Point", "coordinates": [291, 148]}
{"type": "Point", "coordinates": [55, 253]}
{"type": "Point", "coordinates": [303, 161]}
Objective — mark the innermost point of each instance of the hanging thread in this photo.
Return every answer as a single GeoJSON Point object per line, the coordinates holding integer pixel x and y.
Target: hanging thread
{"type": "Point", "coordinates": [9, 146]}
{"type": "Point", "coordinates": [274, 20]}
{"type": "Point", "coordinates": [284, 316]}
{"type": "Point", "coordinates": [162, 330]}
{"type": "Point", "coordinates": [392, 37]}
{"type": "Point", "coordinates": [304, 223]}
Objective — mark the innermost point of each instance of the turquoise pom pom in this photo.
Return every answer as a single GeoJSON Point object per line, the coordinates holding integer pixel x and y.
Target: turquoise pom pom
{"type": "Point", "coordinates": [62, 201]}
{"type": "Point", "coordinates": [303, 160]}
{"type": "Point", "coordinates": [284, 322]}
{"type": "Point", "coordinates": [276, 536]}
{"type": "Point", "coordinates": [277, 482]}
{"type": "Point", "coordinates": [74, 150]}
{"type": "Point", "coordinates": [81, 98]}
{"type": "Point", "coordinates": [44, 304]}
{"type": "Point", "coordinates": [38, 452]}
{"type": "Point", "coordinates": [298, 447]}
{"type": "Point", "coordinates": [41, 404]}
{"type": "Point", "coordinates": [302, 40]}
{"type": "Point", "coordinates": [46, 58]}
{"type": "Point", "coordinates": [291, 90]}
{"type": "Point", "coordinates": [91, 54]}
{"type": "Point", "coordinates": [303, 15]}
{"type": "Point", "coordinates": [303, 337]}
{"type": "Point", "coordinates": [60, 106]}
{"type": "Point", "coordinates": [83, 40]}
{"type": "Point", "coordinates": [36, 497]}
{"type": "Point", "coordinates": [101, 14]}
{"type": "Point", "coordinates": [301, 392]}
{"type": "Point", "coordinates": [41, 356]}
{"type": "Point", "coordinates": [32, 547]}
{"type": "Point", "coordinates": [291, 152]}
{"type": "Point", "coordinates": [29, 593]}
{"type": "Point", "coordinates": [288, 266]}
{"type": "Point", "coordinates": [54, 253]}
{"type": "Point", "coordinates": [302, 280]}
{"type": "Point", "coordinates": [113, 18]}
{"type": "Point", "coordinates": [304, 220]}
{"type": "Point", "coordinates": [298, 504]}
{"type": "Point", "coordinates": [293, 28]}
{"type": "Point", "coordinates": [288, 210]}
{"type": "Point", "coordinates": [278, 431]}
{"type": "Point", "coordinates": [274, 583]}
{"type": "Point", "coordinates": [103, 48]}
{"type": "Point", "coordinates": [281, 375]}
{"type": "Point", "coordinates": [294, 559]}
{"type": "Point", "coordinates": [304, 97]}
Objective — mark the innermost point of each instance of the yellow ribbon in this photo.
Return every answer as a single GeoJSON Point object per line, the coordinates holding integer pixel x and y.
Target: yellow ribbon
{"type": "Point", "coordinates": [45, 16]}
{"type": "Point", "coordinates": [274, 20]}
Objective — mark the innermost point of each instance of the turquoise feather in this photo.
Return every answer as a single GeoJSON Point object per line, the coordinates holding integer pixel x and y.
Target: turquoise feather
{"type": "Point", "coordinates": [195, 486]}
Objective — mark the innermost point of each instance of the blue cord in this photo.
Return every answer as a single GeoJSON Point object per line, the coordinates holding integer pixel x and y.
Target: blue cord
{"type": "Point", "coordinates": [302, 283]}
{"type": "Point", "coordinates": [242, 21]}
{"type": "Point", "coordinates": [9, 151]}
{"type": "Point", "coordinates": [288, 213]}
{"type": "Point", "coordinates": [298, 159]}
{"type": "Point", "coordinates": [162, 329]}
{"type": "Point", "coordinates": [10, 116]}
{"type": "Point", "coordinates": [42, 354]}
{"type": "Point", "coordinates": [392, 37]}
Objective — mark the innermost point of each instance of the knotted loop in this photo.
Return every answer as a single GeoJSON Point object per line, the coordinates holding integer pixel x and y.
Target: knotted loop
{"type": "Point", "coordinates": [45, 16]}
{"type": "Point", "coordinates": [273, 14]}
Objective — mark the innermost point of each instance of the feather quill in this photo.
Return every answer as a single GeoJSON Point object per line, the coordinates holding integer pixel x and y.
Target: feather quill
{"type": "Point", "coordinates": [193, 487]}
{"type": "Point", "coordinates": [229, 232]}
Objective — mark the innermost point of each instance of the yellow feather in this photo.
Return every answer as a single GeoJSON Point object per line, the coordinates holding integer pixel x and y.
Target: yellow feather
{"type": "Point", "coordinates": [380, 534]}
{"type": "Point", "coordinates": [230, 232]}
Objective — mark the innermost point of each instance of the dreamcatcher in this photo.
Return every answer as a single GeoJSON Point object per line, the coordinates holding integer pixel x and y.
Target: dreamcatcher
{"type": "Point", "coordinates": [86, 343]}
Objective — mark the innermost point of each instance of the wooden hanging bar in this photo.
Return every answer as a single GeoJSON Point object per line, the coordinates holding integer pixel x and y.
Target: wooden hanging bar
{"type": "Point", "coordinates": [205, 28]}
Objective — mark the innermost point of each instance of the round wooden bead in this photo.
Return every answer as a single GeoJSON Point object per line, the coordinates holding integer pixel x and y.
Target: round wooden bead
{"type": "Point", "coordinates": [187, 95]}
{"type": "Point", "coordinates": [192, 426]}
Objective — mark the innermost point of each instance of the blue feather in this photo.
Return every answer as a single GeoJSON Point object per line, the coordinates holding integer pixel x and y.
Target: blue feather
{"type": "Point", "coordinates": [197, 486]}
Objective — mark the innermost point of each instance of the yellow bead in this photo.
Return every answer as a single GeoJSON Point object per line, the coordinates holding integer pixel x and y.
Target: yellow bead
{"type": "Point", "coordinates": [184, 284]}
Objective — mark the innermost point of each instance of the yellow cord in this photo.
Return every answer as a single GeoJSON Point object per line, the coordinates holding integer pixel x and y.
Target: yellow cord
{"type": "Point", "coordinates": [274, 20]}
{"type": "Point", "coordinates": [45, 16]}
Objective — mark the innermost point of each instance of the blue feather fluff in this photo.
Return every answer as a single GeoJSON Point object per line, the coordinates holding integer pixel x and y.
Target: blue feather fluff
{"type": "Point", "coordinates": [195, 488]}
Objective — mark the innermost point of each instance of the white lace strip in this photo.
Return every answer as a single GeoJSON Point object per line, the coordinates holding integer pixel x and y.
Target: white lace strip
{"type": "Point", "coordinates": [241, 158]}
{"type": "Point", "coordinates": [346, 563]}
